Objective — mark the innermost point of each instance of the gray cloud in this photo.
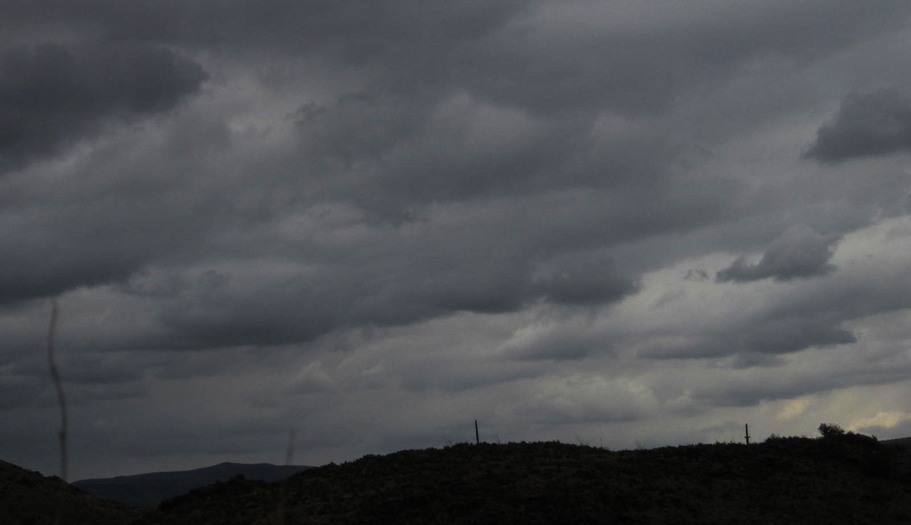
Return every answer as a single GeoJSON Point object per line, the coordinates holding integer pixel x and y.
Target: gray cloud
{"type": "Point", "coordinates": [587, 282]}
{"type": "Point", "coordinates": [790, 334]}
{"type": "Point", "coordinates": [757, 341]}
{"type": "Point", "coordinates": [798, 253]}
{"type": "Point", "coordinates": [866, 125]}
{"type": "Point", "coordinates": [52, 95]}
{"type": "Point", "coordinates": [214, 309]}
{"type": "Point", "coordinates": [379, 221]}
{"type": "Point", "coordinates": [637, 73]}
{"type": "Point", "coordinates": [357, 127]}
{"type": "Point", "coordinates": [510, 52]}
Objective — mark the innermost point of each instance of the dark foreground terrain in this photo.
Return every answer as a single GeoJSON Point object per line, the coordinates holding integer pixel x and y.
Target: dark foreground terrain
{"type": "Point", "coordinates": [843, 478]}
{"type": "Point", "coordinates": [28, 498]}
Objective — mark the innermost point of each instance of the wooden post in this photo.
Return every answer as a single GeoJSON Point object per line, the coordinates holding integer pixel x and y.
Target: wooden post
{"type": "Point", "coordinates": [746, 435]}
{"type": "Point", "coordinates": [477, 437]}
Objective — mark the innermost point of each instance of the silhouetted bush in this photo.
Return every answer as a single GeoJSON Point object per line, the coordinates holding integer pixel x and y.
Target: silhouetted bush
{"type": "Point", "coordinates": [828, 431]}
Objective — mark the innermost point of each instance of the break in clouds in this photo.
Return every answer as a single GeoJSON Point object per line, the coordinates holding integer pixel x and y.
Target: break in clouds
{"type": "Point", "coordinates": [644, 222]}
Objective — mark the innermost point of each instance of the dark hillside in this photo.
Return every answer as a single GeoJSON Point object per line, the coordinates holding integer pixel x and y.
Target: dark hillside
{"type": "Point", "coordinates": [837, 479]}
{"type": "Point", "coordinates": [27, 497]}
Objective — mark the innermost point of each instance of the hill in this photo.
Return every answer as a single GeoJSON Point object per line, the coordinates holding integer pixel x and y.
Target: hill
{"type": "Point", "coordinates": [844, 478]}
{"type": "Point", "coordinates": [27, 497]}
{"type": "Point", "coordinates": [839, 478]}
{"type": "Point", "coordinates": [155, 487]}
{"type": "Point", "coordinates": [901, 442]}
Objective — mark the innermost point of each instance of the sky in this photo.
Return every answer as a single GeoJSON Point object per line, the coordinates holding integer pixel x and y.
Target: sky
{"type": "Point", "coordinates": [357, 227]}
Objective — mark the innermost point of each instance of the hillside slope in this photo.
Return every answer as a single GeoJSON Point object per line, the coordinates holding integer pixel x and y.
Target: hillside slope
{"type": "Point", "coordinates": [832, 480]}
{"type": "Point", "coordinates": [27, 497]}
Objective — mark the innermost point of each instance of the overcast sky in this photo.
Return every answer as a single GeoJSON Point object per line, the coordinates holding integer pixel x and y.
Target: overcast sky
{"type": "Point", "coordinates": [627, 223]}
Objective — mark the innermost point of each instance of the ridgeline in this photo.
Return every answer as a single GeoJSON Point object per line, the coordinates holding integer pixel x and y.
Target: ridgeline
{"type": "Point", "coordinates": [838, 478]}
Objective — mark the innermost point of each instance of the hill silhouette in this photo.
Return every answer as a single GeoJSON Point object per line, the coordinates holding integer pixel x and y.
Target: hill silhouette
{"type": "Point", "coordinates": [154, 487]}
{"type": "Point", "coordinates": [842, 478]}
{"type": "Point", "coordinates": [838, 478]}
{"type": "Point", "coordinates": [27, 497]}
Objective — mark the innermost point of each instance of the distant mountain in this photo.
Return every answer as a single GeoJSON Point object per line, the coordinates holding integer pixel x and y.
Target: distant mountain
{"type": "Point", "coordinates": [901, 442]}
{"type": "Point", "coordinates": [28, 497]}
{"type": "Point", "coordinates": [155, 487]}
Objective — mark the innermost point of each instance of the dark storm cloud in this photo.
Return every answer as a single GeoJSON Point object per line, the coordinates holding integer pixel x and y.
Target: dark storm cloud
{"type": "Point", "coordinates": [552, 67]}
{"type": "Point", "coordinates": [586, 282]}
{"type": "Point", "coordinates": [52, 95]}
{"type": "Point", "coordinates": [36, 268]}
{"type": "Point", "coordinates": [353, 31]}
{"type": "Point", "coordinates": [461, 103]}
{"type": "Point", "coordinates": [52, 247]}
{"type": "Point", "coordinates": [799, 253]}
{"type": "Point", "coordinates": [550, 83]}
{"type": "Point", "coordinates": [866, 125]}
{"type": "Point", "coordinates": [757, 341]}
{"type": "Point", "coordinates": [784, 335]}
{"type": "Point", "coordinates": [397, 154]}
{"type": "Point", "coordinates": [474, 273]}
{"type": "Point", "coordinates": [815, 318]}
{"type": "Point", "coordinates": [395, 212]}
{"type": "Point", "coordinates": [357, 127]}
{"type": "Point", "coordinates": [508, 52]}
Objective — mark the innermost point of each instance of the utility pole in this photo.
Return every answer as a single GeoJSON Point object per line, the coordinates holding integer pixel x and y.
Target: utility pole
{"type": "Point", "coordinates": [477, 437]}
{"type": "Point", "coordinates": [746, 435]}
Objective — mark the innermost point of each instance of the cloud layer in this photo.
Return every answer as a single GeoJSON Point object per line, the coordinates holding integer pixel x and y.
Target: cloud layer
{"type": "Point", "coordinates": [867, 125]}
{"type": "Point", "coordinates": [798, 253]}
{"type": "Point", "coordinates": [53, 95]}
{"type": "Point", "coordinates": [376, 222]}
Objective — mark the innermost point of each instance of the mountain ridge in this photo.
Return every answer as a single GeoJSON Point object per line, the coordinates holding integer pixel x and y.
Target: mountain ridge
{"type": "Point", "coordinates": [837, 478]}
{"type": "Point", "coordinates": [151, 488]}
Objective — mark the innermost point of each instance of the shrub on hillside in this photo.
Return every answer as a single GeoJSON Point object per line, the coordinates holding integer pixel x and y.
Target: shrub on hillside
{"type": "Point", "coordinates": [828, 431]}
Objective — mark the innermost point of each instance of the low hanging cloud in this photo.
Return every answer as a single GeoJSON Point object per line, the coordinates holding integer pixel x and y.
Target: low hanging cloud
{"type": "Point", "coordinates": [867, 125]}
{"type": "Point", "coordinates": [53, 95]}
{"type": "Point", "coordinates": [799, 253]}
